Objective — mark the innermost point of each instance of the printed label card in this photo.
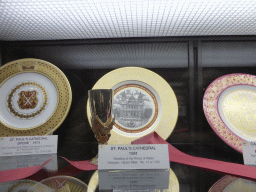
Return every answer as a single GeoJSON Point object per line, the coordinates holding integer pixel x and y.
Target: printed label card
{"type": "Point", "coordinates": [150, 156]}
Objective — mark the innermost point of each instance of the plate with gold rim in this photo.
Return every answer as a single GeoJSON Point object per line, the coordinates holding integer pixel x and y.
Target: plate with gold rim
{"type": "Point", "coordinates": [35, 97]}
{"type": "Point", "coordinates": [143, 102]}
{"type": "Point", "coordinates": [64, 183]}
{"type": "Point", "coordinates": [23, 185]}
{"type": "Point", "coordinates": [230, 183]}
{"type": "Point", "coordinates": [229, 105]}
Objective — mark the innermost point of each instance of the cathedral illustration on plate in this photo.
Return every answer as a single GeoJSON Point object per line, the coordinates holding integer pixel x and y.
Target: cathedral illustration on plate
{"type": "Point", "coordinates": [132, 108]}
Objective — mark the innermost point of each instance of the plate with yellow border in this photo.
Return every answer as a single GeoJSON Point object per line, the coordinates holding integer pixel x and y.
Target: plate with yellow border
{"type": "Point", "coordinates": [65, 183]}
{"type": "Point", "coordinates": [24, 185]}
{"type": "Point", "coordinates": [230, 183]}
{"type": "Point", "coordinates": [35, 97]}
{"type": "Point", "coordinates": [173, 182]}
{"type": "Point", "coordinates": [230, 106]}
{"type": "Point", "coordinates": [143, 102]}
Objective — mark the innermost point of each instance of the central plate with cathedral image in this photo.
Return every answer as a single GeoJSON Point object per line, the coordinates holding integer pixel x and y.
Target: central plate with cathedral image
{"type": "Point", "coordinates": [143, 102]}
{"type": "Point", "coordinates": [135, 106]}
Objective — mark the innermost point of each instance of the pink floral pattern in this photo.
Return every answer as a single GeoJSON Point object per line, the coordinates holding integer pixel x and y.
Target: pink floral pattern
{"type": "Point", "coordinates": [210, 106]}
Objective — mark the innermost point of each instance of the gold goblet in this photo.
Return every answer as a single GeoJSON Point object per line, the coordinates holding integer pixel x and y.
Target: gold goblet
{"type": "Point", "coordinates": [102, 119]}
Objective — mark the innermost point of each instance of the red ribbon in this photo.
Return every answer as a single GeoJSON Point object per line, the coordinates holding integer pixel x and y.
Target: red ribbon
{"type": "Point", "coordinates": [177, 156]}
{"type": "Point", "coordinates": [153, 138]}
{"type": "Point", "coordinates": [82, 165]}
{"type": "Point", "coordinates": [16, 174]}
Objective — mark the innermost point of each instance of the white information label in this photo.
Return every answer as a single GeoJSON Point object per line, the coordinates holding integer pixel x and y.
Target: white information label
{"type": "Point", "coordinates": [249, 153]}
{"type": "Point", "coordinates": [152, 156]}
{"type": "Point", "coordinates": [28, 145]}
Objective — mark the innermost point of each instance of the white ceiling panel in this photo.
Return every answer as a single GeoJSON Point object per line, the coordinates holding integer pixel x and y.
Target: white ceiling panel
{"type": "Point", "coordinates": [87, 19]}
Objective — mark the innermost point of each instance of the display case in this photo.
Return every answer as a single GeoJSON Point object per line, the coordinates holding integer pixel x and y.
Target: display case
{"type": "Point", "coordinates": [188, 64]}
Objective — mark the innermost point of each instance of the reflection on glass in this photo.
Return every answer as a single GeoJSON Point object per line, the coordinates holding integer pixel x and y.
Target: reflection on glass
{"type": "Point", "coordinates": [134, 180]}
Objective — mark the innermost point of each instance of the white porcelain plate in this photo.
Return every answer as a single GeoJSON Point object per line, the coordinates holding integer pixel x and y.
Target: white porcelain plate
{"type": "Point", "coordinates": [143, 102]}
{"type": "Point", "coordinates": [35, 97]}
{"type": "Point", "coordinates": [28, 100]}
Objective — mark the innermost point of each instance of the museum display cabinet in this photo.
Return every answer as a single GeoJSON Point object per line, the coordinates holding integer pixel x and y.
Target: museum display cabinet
{"type": "Point", "coordinates": [189, 65]}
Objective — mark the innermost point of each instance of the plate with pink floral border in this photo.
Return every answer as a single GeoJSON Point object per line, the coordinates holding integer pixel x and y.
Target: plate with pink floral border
{"type": "Point", "coordinates": [230, 183]}
{"type": "Point", "coordinates": [230, 106]}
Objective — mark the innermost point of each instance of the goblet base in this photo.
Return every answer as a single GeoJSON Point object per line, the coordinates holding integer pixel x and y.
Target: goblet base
{"type": "Point", "coordinates": [94, 160]}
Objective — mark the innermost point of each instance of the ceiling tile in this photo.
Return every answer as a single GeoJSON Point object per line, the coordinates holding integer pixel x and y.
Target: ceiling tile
{"type": "Point", "coordinates": [62, 19]}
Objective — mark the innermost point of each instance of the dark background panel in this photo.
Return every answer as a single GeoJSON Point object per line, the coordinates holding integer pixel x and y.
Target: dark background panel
{"type": "Point", "coordinates": [189, 65]}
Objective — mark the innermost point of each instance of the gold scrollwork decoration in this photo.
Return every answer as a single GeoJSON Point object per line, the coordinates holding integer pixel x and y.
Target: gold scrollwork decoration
{"type": "Point", "coordinates": [27, 100]}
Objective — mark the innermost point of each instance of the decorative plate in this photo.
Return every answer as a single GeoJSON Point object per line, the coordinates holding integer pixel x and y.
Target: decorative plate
{"type": "Point", "coordinates": [233, 184]}
{"type": "Point", "coordinates": [143, 102]}
{"type": "Point", "coordinates": [65, 184]}
{"type": "Point", "coordinates": [173, 182]}
{"type": "Point", "coordinates": [25, 185]}
{"type": "Point", "coordinates": [35, 98]}
{"type": "Point", "coordinates": [230, 106]}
